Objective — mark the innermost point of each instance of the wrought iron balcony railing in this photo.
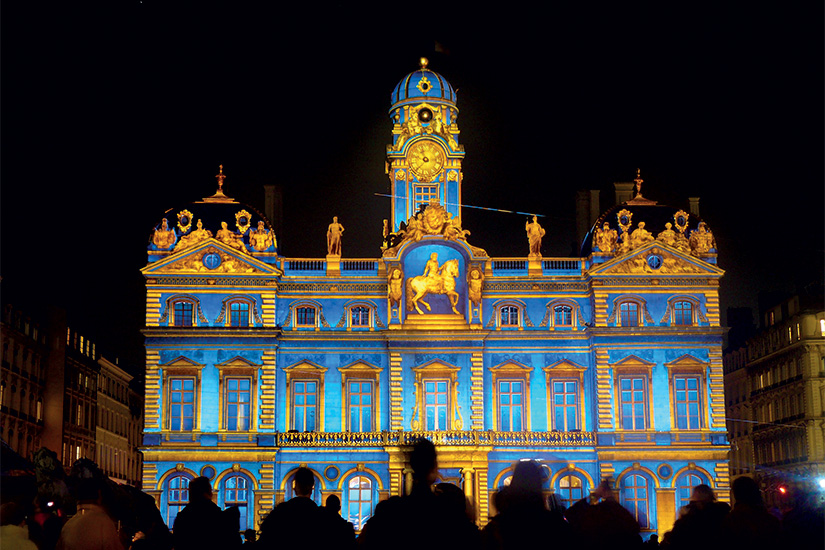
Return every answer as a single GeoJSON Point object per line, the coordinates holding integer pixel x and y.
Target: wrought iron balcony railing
{"type": "Point", "coordinates": [446, 438]}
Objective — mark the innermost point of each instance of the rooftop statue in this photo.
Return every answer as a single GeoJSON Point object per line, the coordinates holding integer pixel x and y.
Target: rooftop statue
{"type": "Point", "coordinates": [231, 238]}
{"type": "Point", "coordinates": [193, 238]}
{"type": "Point", "coordinates": [701, 240]}
{"type": "Point", "coordinates": [261, 238]}
{"type": "Point", "coordinates": [535, 232]}
{"type": "Point", "coordinates": [163, 237]}
{"type": "Point", "coordinates": [606, 239]}
{"type": "Point", "coordinates": [668, 236]}
{"type": "Point", "coordinates": [334, 232]}
{"type": "Point", "coordinates": [640, 236]}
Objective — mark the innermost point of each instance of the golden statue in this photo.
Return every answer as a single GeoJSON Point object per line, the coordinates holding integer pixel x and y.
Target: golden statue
{"type": "Point", "coordinates": [534, 235]}
{"type": "Point", "coordinates": [441, 283]}
{"type": "Point", "coordinates": [431, 268]}
{"type": "Point", "coordinates": [701, 240]}
{"type": "Point", "coordinates": [163, 237]}
{"type": "Point", "coordinates": [334, 232]}
{"type": "Point", "coordinates": [227, 236]}
{"type": "Point", "coordinates": [640, 236]}
{"type": "Point", "coordinates": [668, 236]}
{"type": "Point", "coordinates": [193, 238]}
{"type": "Point", "coordinates": [261, 239]}
{"type": "Point", "coordinates": [475, 282]}
{"type": "Point", "coordinates": [452, 230]}
{"type": "Point", "coordinates": [395, 286]}
{"type": "Point", "coordinates": [606, 239]}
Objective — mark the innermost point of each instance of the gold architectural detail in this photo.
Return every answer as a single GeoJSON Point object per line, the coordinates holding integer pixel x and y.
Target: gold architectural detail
{"type": "Point", "coordinates": [261, 238]}
{"type": "Point", "coordinates": [194, 262]}
{"type": "Point", "coordinates": [395, 286]}
{"type": "Point", "coordinates": [424, 85]}
{"type": "Point", "coordinates": [701, 240]}
{"type": "Point", "coordinates": [164, 237]}
{"type": "Point", "coordinates": [534, 235]}
{"type": "Point", "coordinates": [435, 280]}
{"type": "Point", "coordinates": [184, 227]}
{"type": "Point", "coordinates": [433, 220]}
{"type": "Point", "coordinates": [671, 264]}
{"type": "Point", "coordinates": [191, 239]}
{"type": "Point", "coordinates": [475, 284]}
{"type": "Point", "coordinates": [242, 221]}
{"type": "Point", "coordinates": [477, 391]}
{"type": "Point", "coordinates": [219, 195]}
{"type": "Point", "coordinates": [334, 231]}
{"type": "Point", "coordinates": [396, 409]}
{"type": "Point", "coordinates": [624, 219]}
{"type": "Point", "coordinates": [606, 239]}
{"type": "Point", "coordinates": [229, 237]}
{"type": "Point", "coordinates": [452, 175]}
{"type": "Point", "coordinates": [512, 371]}
{"type": "Point", "coordinates": [266, 410]}
{"type": "Point", "coordinates": [426, 160]}
{"type": "Point", "coordinates": [640, 236]}
{"type": "Point", "coordinates": [400, 174]}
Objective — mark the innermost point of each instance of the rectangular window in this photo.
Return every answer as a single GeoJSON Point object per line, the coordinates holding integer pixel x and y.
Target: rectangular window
{"type": "Point", "coordinates": [565, 399]}
{"type": "Point", "coordinates": [239, 314]}
{"type": "Point", "coordinates": [511, 405]}
{"type": "Point", "coordinates": [305, 317]}
{"type": "Point", "coordinates": [633, 402]}
{"type": "Point", "coordinates": [360, 405]}
{"type": "Point", "coordinates": [687, 401]}
{"type": "Point", "coordinates": [683, 313]}
{"type": "Point", "coordinates": [563, 316]}
{"type": "Point", "coordinates": [183, 314]}
{"type": "Point", "coordinates": [237, 404]}
{"type": "Point", "coordinates": [305, 405]}
{"type": "Point", "coordinates": [425, 194]}
{"type": "Point", "coordinates": [436, 404]}
{"type": "Point", "coordinates": [629, 314]}
{"type": "Point", "coordinates": [181, 404]}
{"type": "Point", "coordinates": [360, 316]}
{"type": "Point", "coordinates": [509, 316]}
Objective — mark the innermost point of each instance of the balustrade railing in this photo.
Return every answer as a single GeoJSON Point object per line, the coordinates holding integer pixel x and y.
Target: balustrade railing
{"type": "Point", "coordinates": [444, 438]}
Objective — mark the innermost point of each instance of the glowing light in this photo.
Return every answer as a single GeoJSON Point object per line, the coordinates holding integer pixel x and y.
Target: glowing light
{"type": "Point", "coordinates": [783, 490]}
{"type": "Point", "coordinates": [821, 482]}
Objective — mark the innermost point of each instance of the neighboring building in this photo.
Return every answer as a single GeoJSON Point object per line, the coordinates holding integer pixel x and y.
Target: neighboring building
{"type": "Point", "coordinates": [607, 365]}
{"type": "Point", "coordinates": [775, 387]}
{"type": "Point", "coordinates": [119, 425]}
{"type": "Point", "coordinates": [49, 394]}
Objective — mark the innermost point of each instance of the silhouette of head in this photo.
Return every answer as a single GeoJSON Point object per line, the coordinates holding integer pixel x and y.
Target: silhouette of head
{"type": "Point", "coordinates": [250, 535]}
{"type": "Point", "coordinates": [424, 461]}
{"type": "Point", "coordinates": [303, 482]}
{"type": "Point", "coordinates": [702, 494]}
{"type": "Point", "coordinates": [333, 503]}
{"type": "Point", "coordinates": [746, 491]}
{"type": "Point", "coordinates": [200, 489]}
{"type": "Point", "coordinates": [12, 514]}
{"type": "Point", "coordinates": [526, 477]}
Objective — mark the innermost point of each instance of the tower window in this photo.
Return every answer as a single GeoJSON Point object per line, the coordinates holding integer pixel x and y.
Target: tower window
{"type": "Point", "coordinates": [425, 194]}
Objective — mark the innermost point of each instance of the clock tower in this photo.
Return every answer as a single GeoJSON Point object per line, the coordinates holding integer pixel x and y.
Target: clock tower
{"type": "Point", "coordinates": [424, 158]}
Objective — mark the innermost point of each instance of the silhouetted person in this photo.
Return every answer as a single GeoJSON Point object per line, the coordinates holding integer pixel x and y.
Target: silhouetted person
{"type": "Point", "coordinates": [749, 525]}
{"type": "Point", "coordinates": [91, 528]}
{"type": "Point", "coordinates": [604, 524]}
{"type": "Point", "coordinates": [297, 522]}
{"type": "Point", "coordinates": [250, 537]}
{"type": "Point", "coordinates": [458, 515]}
{"type": "Point", "coordinates": [803, 523]}
{"type": "Point", "coordinates": [522, 515]}
{"type": "Point", "coordinates": [13, 531]}
{"type": "Point", "coordinates": [201, 524]}
{"type": "Point", "coordinates": [652, 542]}
{"type": "Point", "coordinates": [700, 522]}
{"type": "Point", "coordinates": [232, 516]}
{"type": "Point", "coordinates": [341, 531]}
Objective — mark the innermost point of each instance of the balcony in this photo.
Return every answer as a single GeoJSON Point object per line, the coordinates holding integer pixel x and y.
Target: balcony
{"type": "Point", "coordinates": [444, 438]}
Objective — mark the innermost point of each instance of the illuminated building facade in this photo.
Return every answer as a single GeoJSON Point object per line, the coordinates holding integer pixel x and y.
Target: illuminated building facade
{"type": "Point", "coordinates": [775, 389]}
{"type": "Point", "coordinates": [607, 365]}
{"type": "Point", "coordinates": [119, 424]}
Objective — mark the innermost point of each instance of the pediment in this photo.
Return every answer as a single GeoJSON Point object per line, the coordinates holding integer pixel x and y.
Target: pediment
{"type": "Point", "coordinates": [511, 367]}
{"type": "Point", "coordinates": [306, 366]}
{"type": "Point", "coordinates": [359, 366]}
{"type": "Point", "coordinates": [210, 257]}
{"type": "Point", "coordinates": [237, 361]}
{"type": "Point", "coordinates": [566, 365]}
{"type": "Point", "coordinates": [685, 362]}
{"type": "Point", "coordinates": [632, 361]}
{"type": "Point", "coordinates": [654, 259]}
{"type": "Point", "coordinates": [182, 361]}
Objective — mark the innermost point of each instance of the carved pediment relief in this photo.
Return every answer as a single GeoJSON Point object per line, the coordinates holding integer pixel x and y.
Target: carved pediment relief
{"type": "Point", "coordinates": [182, 362]}
{"type": "Point", "coordinates": [237, 361]}
{"type": "Point", "coordinates": [211, 257]}
{"type": "Point", "coordinates": [656, 259]}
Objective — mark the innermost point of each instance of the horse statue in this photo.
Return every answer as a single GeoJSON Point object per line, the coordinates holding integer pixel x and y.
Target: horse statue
{"type": "Point", "coordinates": [441, 283]}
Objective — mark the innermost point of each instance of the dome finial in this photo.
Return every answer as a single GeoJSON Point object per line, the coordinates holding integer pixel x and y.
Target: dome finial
{"type": "Point", "coordinates": [219, 196]}
{"type": "Point", "coordinates": [638, 181]}
{"type": "Point", "coordinates": [424, 62]}
{"type": "Point", "coordinates": [220, 177]}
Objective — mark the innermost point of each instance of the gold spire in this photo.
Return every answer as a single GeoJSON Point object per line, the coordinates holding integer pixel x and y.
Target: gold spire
{"type": "Point", "coordinates": [639, 199]}
{"type": "Point", "coordinates": [423, 62]}
{"type": "Point", "coordinates": [219, 196]}
{"type": "Point", "coordinates": [220, 177]}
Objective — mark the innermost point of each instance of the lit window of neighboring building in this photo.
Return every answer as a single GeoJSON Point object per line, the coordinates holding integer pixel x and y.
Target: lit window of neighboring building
{"type": "Point", "coordinates": [304, 405]}
{"type": "Point", "coordinates": [635, 495]}
{"type": "Point", "coordinates": [236, 492]}
{"type": "Point", "coordinates": [683, 313]}
{"type": "Point", "coordinates": [360, 316]}
{"type": "Point", "coordinates": [563, 316]}
{"type": "Point", "coordinates": [360, 405]}
{"type": "Point", "coordinates": [565, 404]}
{"type": "Point", "coordinates": [436, 404]}
{"type": "Point", "coordinates": [571, 489]}
{"type": "Point", "coordinates": [688, 402]}
{"type": "Point", "coordinates": [181, 404]}
{"type": "Point", "coordinates": [183, 314]}
{"type": "Point", "coordinates": [305, 316]}
{"type": "Point", "coordinates": [629, 312]}
{"type": "Point", "coordinates": [633, 402]}
{"type": "Point", "coordinates": [508, 316]}
{"type": "Point", "coordinates": [237, 404]}
{"type": "Point", "coordinates": [511, 405]}
{"type": "Point", "coordinates": [359, 505]}
{"type": "Point", "coordinates": [239, 314]}
{"type": "Point", "coordinates": [177, 497]}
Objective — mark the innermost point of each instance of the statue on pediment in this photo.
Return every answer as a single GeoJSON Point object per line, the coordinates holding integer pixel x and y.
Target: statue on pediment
{"type": "Point", "coordinates": [668, 236]}
{"type": "Point", "coordinates": [640, 236]}
{"type": "Point", "coordinates": [194, 237]}
{"type": "Point", "coordinates": [261, 239]}
{"type": "Point", "coordinates": [701, 240]}
{"type": "Point", "coordinates": [606, 239]}
{"type": "Point", "coordinates": [164, 237]}
{"type": "Point", "coordinates": [227, 236]}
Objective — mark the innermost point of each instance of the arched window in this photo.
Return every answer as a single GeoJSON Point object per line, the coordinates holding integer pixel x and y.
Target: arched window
{"type": "Point", "coordinates": [359, 501]}
{"type": "Point", "coordinates": [359, 316]}
{"type": "Point", "coordinates": [562, 316]}
{"type": "Point", "coordinates": [237, 491]}
{"type": "Point", "coordinates": [183, 314]}
{"type": "Point", "coordinates": [684, 486]}
{"type": "Point", "coordinates": [571, 489]}
{"type": "Point", "coordinates": [635, 496]}
{"type": "Point", "coordinates": [683, 313]}
{"type": "Point", "coordinates": [508, 316]}
{"type": "Point", "coordinates": [306, 316]}
{"type": "Point", "coordinates": [239, 314]}
{"type": "Point", "coordinates": [177, 497]}
{"type": "Point", "coordinates": [629, 314]}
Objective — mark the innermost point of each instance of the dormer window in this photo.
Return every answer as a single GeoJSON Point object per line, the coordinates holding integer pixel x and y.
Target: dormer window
{"type": "Point", "coordinates": [239, 314]}
{"type": "Point", "coordinates": [305, 316]}
{"type": "Point", "coordinates": [359, 316]}
{"type": "Point", "coordinates": [629, 314]}
{"type": "Point", "coordinates": [183, 312]}
{"type": "Point", "coordinates": [683, 313]}
{"type": "Point", "coordinates": [562, 316]}
{"type": "Point", "coordinates": [509, 316]}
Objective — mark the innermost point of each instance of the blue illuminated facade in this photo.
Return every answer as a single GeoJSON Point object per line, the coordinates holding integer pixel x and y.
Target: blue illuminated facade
{"type": "Point", "coordinates": [607, 365]}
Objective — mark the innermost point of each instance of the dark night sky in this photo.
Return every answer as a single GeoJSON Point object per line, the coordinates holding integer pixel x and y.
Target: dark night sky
{"type": "Point", "coordinates": [112, 115]}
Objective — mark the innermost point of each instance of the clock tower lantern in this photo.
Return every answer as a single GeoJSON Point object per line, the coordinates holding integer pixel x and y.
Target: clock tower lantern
{"type": "Point", "coordinates": [424, 158]}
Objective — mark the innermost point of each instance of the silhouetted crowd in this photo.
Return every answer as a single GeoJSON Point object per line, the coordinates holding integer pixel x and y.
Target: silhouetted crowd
{"type": "Point", "coordinates": [432, 516]}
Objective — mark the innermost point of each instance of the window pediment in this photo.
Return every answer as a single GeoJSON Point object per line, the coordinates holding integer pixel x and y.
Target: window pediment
{"type": "Point", "coordinates": [564, 368]}
{"type": "Point", "coordinates": [436, 368]}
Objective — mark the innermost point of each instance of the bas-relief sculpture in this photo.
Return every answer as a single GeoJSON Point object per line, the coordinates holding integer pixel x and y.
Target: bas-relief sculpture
{"type": "Point", "coordinates": [334, 231]}
{"type": "Point", "coordinates": [475, 284]}
{"type": "Point", "coordinates": [435, 280]}
{"type": "Point", "coordinates": [701, 240]}
{"type": "Point", "coordinates": [432, 220]}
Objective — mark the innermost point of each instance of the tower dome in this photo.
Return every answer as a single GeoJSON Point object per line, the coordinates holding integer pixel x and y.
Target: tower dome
{"type": "Point", "coordinates": [423, 85]}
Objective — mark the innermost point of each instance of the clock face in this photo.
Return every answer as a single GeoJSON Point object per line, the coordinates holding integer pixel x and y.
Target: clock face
{"type": "Point", "coordinates": [426, 160]}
